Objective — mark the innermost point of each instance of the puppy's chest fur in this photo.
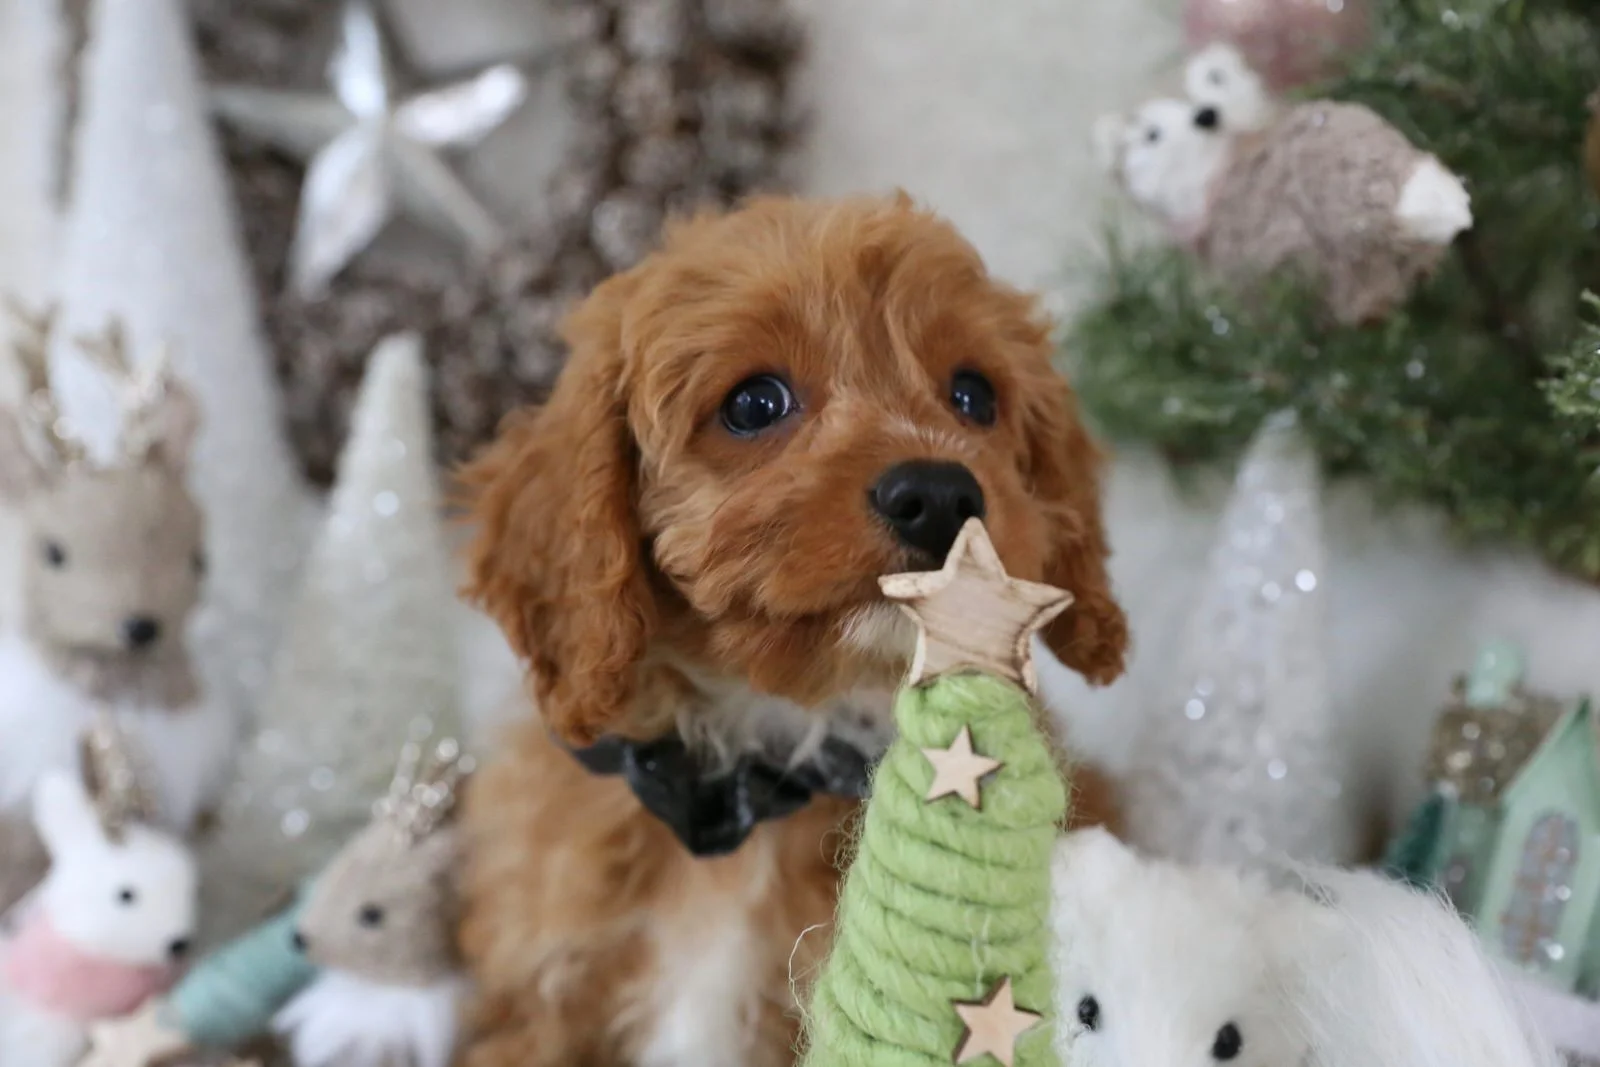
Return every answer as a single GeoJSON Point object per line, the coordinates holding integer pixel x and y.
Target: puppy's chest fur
{"type": "Point", "coordinates": [724, 942]}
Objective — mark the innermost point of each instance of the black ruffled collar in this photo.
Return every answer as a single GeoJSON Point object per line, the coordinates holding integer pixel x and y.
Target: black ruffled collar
{"type": "Point", "coordinates": [712, 810]}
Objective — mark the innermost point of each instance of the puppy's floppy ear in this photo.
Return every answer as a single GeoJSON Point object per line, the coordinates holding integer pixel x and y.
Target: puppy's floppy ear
{"type": "Point", "coordinates": [557, 558]}
{"type": "Point", "coordinates": [1064, 466]}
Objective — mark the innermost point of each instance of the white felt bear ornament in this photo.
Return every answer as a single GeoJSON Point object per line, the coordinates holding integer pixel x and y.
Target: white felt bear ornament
{"type": "Point", "coordinates": [1218, 76]}
{"type": "Point", "coordinates": [112, 921]}
{"type": "Point", "coordinates": [1162, 965]}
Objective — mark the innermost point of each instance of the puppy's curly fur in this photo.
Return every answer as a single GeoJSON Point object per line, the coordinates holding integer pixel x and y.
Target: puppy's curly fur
{"type": "Point", "coordinates": [656, 572]}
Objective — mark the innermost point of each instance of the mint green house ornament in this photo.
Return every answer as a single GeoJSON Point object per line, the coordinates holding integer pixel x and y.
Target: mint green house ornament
{"type": "Point", "coordinates": [1480, 743]}
{"type": "Point", "coordinates": [1540, 896]}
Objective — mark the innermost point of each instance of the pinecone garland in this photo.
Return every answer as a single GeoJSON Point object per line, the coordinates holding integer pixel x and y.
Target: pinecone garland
{"type": "Point", "coordinates": [676, 103]}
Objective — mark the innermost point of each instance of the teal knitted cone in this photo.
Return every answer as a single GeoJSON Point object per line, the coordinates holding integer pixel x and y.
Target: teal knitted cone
{"type": "Point", "coordinates": [944, 901]}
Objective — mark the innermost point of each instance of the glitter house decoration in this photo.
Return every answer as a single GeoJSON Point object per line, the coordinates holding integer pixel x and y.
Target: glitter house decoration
{"type": "Point", "coordinates": [1245, 764]}
{"type": "Point", "coordinates": [1539, 906]}
{"type": "Point", "coordinates": [1481, 742]}
{"type": "Point", "coordinates": [368, 662]}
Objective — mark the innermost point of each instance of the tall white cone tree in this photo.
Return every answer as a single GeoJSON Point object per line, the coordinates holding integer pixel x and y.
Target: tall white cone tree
{"type": "Point", "coordinates": [1245, 762]}
{"type": "Point", "coordinates": [151, 238]}
{"type": "Point", "coordinates": [369, 658]}
{"type": "Point", "coordinates": [29, 99]}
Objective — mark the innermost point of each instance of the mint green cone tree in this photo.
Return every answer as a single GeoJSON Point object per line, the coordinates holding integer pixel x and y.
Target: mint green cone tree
{"type": "Point", "coordinates": [939, 953]}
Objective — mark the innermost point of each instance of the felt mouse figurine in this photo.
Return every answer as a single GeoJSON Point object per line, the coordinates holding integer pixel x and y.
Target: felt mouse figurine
{"type": "Point", "coordinates": [113, 567]}
{"type": "Point", "coordinates": [379, 922]}
{"type": "Point", "coordinates": [1327, 189]}
{"type": "Point", "coordinates": [112, 921]}
{"type": "Point", "coordinates": [1162, 965]}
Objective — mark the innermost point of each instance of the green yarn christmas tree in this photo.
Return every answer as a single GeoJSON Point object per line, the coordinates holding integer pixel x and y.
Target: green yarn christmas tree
{"type": "Point", "coordinates": [939, 955]}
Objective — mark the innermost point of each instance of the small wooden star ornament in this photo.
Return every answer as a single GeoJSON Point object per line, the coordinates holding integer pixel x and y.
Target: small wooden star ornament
{"type": "Point", "coordinates": [957, 770]}
{"type": "Point", "coordinates": [137, 1040]}
{"type": "Point", "coordinates": [993, 1025]}
{"type": "Point", "coordinates": [970, 613]}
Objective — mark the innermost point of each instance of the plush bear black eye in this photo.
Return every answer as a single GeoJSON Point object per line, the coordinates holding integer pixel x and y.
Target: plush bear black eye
{"type": "Point", "coordinates": [371, 915]}
{"type": "Point", "coordinates": [1216, 77]}
{"type": "Point", "coordinates": [1089, 1013]}
{"type": "Point", "coordinates": [126, 896]}
{"type": "Point", "coordinates": [1228, 1043]}
{"type": "Point", "coordinates": [1153, 134]}
{"type": "Point", "coordinates": [757, 404]}
{"type": "Point", "coordinates": [973, 396]}
{"type": "Point", "coordinates": [54, 554]}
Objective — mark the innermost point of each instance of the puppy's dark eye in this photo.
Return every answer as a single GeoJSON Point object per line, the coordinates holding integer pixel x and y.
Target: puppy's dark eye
{"type": "Point", "coordinates": [54, 554]}
{"type": "Point", "coordinates": [370, 915]}
{"type": "Point", "coordinates": [1153, 134]}
{"type": "Point", "coordinates": [973, 396]}
{"type": "Point", "coordinates": [757, 404]}
{"type": "Point", "coordinates": [1089, 1013]}
{"type": "Point", "coordinates": [126, 896]}
{"type": "Point", "coordinates": [1228, 1043]}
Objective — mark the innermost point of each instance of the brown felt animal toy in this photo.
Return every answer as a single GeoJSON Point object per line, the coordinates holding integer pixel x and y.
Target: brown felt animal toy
{"type": "Point", "coordinates": [778, 407]}
{"type": "Point", "coordinates": [380, 924]}
{"type": "Point", "coordinates": [1329, 190]}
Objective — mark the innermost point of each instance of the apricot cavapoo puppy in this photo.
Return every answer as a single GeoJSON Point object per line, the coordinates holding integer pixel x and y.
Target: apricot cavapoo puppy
{"type": "Point", "coordinates": [779, 406]}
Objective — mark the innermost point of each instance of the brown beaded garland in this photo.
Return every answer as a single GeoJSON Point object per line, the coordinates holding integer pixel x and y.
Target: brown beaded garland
{"type": "Point", "coordinates": [675, 104]}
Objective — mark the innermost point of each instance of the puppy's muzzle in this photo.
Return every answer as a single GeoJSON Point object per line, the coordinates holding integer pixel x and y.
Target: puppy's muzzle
{"type": "Point", "coordinates": [926, 503]}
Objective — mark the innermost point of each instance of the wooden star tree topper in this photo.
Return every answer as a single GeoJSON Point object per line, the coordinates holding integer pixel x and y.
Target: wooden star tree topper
{"type": "Point", "coordinates": [971, 614]}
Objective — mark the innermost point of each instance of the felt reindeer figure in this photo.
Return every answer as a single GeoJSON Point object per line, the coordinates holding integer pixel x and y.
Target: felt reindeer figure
{"type": "Point", "coordinates": [112, 920]}
{"type": "Point", "coordinates": [380, 923]}
{"type": "Point", "coordinates": [114, 562]}
{"type": "Point", "coordinates": [1328, 190]}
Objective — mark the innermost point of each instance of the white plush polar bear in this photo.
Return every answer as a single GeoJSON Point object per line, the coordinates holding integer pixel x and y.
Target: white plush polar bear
{"type": "Point", "coordinates": [1162, 965]}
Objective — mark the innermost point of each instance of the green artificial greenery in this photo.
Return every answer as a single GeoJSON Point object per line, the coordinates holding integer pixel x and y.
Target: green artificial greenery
{"type": "Point", "coordinates": [1482, 394]}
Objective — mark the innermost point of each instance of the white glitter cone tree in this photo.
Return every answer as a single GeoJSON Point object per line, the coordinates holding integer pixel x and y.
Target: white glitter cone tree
{"type": "Point", "coordinates": [369, 658]}
{"type": "Point", "coordinates": [151, 238]}
{"type": "Point", "coordinates": [1245, 762]}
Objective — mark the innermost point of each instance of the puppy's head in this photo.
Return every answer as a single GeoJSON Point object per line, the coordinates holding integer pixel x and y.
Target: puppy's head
{"type": "Point", "coordinates": [777, 408]}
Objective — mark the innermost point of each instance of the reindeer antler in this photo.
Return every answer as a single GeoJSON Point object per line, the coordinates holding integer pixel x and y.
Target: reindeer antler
{"type": "Point", "coordinates": [141, 390]}
{"type": "Point", "coordinates": [111, 773]}
{"type": "Point", "coordinates": [32, 351]}
{"type": "Point", "coordinates": [423, 796]}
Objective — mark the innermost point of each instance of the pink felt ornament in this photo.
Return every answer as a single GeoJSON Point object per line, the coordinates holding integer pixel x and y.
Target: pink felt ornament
{"type": "Point", "coordinates": [1290, 42]}
{"type": "Point", "coordinates": [72, 980]}
{"type": "Point", "coordinates": [110, 924]}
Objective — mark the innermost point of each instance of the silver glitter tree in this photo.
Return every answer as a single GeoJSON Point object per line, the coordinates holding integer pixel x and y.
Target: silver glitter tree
{"type": "Point", "coordinates": [150, 239]}
{"type": "Point", "coordinates": [368, 661]}
{"type": "Point", "coordinates": [1245, 762]}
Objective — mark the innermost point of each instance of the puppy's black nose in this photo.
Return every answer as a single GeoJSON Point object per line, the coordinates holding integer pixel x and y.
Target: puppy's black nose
{"type": "Point", "coordinates": [140, 631]}
{"type": "Point", "coordinates": [298, 940]}
{"type": "Point", "coordinates": [179, 948]}
{"type": "Point", "coordinates": [1208, 118]}
{"type": "Point", "coordinates": [926, 503]}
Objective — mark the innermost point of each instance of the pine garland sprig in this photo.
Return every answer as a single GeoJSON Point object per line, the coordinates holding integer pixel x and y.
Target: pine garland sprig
{"type": "Point", "coordinates": [1476, 395]}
